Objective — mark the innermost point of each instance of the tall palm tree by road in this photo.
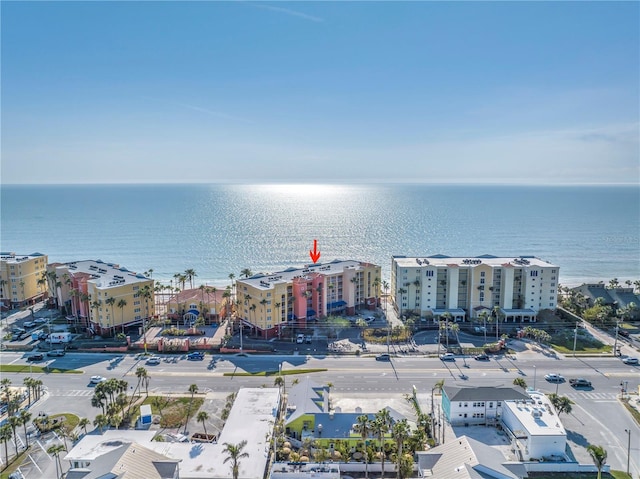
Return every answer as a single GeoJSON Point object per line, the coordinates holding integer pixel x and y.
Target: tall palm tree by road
{"type": "Point", "coordinates": [55, 451]}
{"type": "Point", "coordinates": [599, 456]}
{"type": "Point", "coordinates": [121, 304]}
{"type": "Point", "coordinates": [111, 301]}
{"type": "Point", "coordinates": [193, 389]}
{"type": "Point", "coordinates": [363, 426]}
{"type": "Point", "coordinates": [189, 275]}
{"type": "Point", "coordinates": [381, 426]}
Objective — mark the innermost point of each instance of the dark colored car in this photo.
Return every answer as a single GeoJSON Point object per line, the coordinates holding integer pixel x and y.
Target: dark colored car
{"type": "Point", "coordinates": [36, 357]}
{"type": "Point", "coordinates": [383, 357]}
{"type": "Point", "coordinates": [580, 383]}
{"type": "Point", "coordinates": [195, 356]}
{"type": "Point", "coordinates": [481, 357]}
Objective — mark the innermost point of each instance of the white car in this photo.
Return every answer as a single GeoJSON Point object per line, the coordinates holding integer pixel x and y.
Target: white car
{"type": "Point", "coordinates": [554, 378]}
{"type": "Point", "coordinates": [300, 339]}
{"type": "Point", "coordinates": [630, 360]}
{"type": "Point", "coordinates": [97, 379]}
{"type": "Point", "coordinates": [369, 319]}
{"type": "Point", "coordinates": [153, 361]}
{"type": "Point", "coordinates": [447, 357]}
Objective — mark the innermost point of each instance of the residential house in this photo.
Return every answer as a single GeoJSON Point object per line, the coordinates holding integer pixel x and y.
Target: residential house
{"type": "Point", "coordinates": [477, 405]}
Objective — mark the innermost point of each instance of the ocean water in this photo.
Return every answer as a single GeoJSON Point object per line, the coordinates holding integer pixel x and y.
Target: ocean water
{"type": "Point", "coordinates": [592, 233]}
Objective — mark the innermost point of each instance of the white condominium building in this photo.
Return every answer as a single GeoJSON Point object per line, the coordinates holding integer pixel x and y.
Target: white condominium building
{"type": "Point", "coordinates": [464, 287]}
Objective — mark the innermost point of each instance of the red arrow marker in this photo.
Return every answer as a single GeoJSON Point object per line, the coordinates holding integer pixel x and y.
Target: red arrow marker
{"type": "Point", "coordinates": [315, 254]}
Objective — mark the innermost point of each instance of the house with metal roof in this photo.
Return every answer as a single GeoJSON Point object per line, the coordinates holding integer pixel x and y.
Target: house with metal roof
{"type": "Point", "coordinates": [476, 405]}
{"type": "Point", "coordinates": [466, 458]}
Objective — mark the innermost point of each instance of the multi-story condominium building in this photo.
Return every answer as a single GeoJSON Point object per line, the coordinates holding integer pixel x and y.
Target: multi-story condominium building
{"type": "Point", "coordinates": [22, 279]}
{"type": "Point", "coordinates": [103, 296]}
{"type": "Point", "coordinates": [464, 287]}
{"type": "Point", "coordinates": [268, 303]}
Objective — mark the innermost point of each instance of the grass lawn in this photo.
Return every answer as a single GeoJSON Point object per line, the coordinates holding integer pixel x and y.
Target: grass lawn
{"type": "Point", "coordinates": [174, 410]}
{"type": "Point", "coordinates": [276, 373]}
{"type": "Point", "coordinates": [70, 420]}
{"type": "Point", "coordinates": [14, 465]}
{"type": "Point", "coordinates": [19, 368]}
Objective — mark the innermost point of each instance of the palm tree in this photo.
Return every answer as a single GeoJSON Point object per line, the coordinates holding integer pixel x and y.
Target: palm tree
{"type": "Point", "coordinates": [438, 385]}
{"type": "Point", "coordinates": [401, 291]}
{"type": "Point", "coordinates": [121, 304]}
{"type": "Point", "coordinates": [234, 452]}
{"type": "Point", "coordinates": [599, 456]}
{"type": "Point", "coordinates": [381, 426]}
{"type": "Point", "coordinates": [231, 278]}
{"type": "Point", "coordinates": [400, 433]}
{"type": "Point", "coordinates": [279, 381]}
{"type": "Point", "coordinates": [14, 422]}
{"type": "Point", "coordinates": [246, 273]}
{"type": "Point", "coordinates": [520, 382]}
{"type": "Point", "coordinates": [83, 423]}
{"type": "Point", "coordinates": [145, 293]}
{"type": "Point", "coordinates": [5, 436]}
{"type": "Point", "coordinates": [483, 316]}
{"type": "Point", "coordinates": [55, 451]}
{"type": "Point", "coordinates": [101, 421]}
{"type": "Point", "coordinates": [193, 389]}
{"type": "Point", "coordinates": [96, 305]}
{"type": "Point", "coordinates": [496, 312]}
{"type": "Point", "coordinates": [25, 417]}
{"type": "Point", "coordinates": [111, 301]}
{"type": "Point", "coordinates": [190, 274]}
{"type": "Point", "coordinates": [202, 417]}
{"type": "Point", "coordinates": [363, 426]}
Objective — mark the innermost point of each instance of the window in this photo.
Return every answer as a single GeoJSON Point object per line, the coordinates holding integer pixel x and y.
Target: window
{"type": "Point", "coordinates": [481, 280]}
{"type": "Point", "coordinates": [551, 304]}
{"type": "Point", "coordinates": [136, 288]}
{"type": "Point", "coordinates": [268, 294]}
{"type": "Point", "coordinates": [482, 274]}
{"type": "Point", "coordinates": [533, 273]}
{"type": "Point", "coordinates": [481, 296]}
{"type": "Point", "coordinates": [136, 310]}
{"type": "Point", "coordinates": [429, 274]}
{"type": "Point", "coordinates": [551, 298]}
{"type": "Point", "coordinates": [491, 404]}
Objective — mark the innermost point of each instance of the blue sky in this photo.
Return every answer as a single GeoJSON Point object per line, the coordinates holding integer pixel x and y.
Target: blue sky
{"type": "Point", "coordinates": [495, 92]}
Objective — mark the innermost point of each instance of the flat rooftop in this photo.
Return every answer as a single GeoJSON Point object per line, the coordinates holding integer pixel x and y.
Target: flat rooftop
{"type": "Point", "coordinates": [537, 415]}
{"type": "Point", "coordinates": [490, 260]}
{"type": "Point", "coordinates": [105, 275]}
{"type": "Point", "coordinates": [266, 281]}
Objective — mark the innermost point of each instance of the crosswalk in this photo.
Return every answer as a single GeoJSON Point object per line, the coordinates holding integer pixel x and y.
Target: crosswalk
{"type": "Point", "coordinates": [593, 396]}
{"type": "Point", "coordinates": [71, 392]}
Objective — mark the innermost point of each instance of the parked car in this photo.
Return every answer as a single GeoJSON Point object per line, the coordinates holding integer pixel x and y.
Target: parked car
{"type": "Point", "coordinates": [300, 339]}
{"type": "Point", "coordinates": [97, 379]}
{"type": "Point", "coordinates": [195, 356]}
{"type": "Point", "coordinates": [579, 383]}
{"type": "Point", "coordinates": [447, 357]}
{"type": "Point", "coordinates": [383, 357]}
{"type": "Point", "coordinates": [308, 339]}
{"type": "Point", "coordinates": [36, 357]}
{"type": "Point", "coordinates": [481, 357]}
{"type": "Point", "coordinates": [370, 319]}
{"type": "Point", "coordinates": [153, 361]}
{"type": "Point", "coordinates": [630, 361]}
{"type": "Point", "coordinates": [554, 378]}
{"type": "Point", "coordinates": [623, 333]}
{"type": "Point", "coordinates": [56, 352]}
{"type": "Point", "coordinates": [40, 321]}
{"type": "Point", "coordinates": [29, 324]}
{"type": "Point", "coordinates": [17, 331]}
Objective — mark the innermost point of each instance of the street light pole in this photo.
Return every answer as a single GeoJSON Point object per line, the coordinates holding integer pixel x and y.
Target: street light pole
{"type": "Point", "coordinates": [575, 339]}
{"type": "Point", "coordinates": [628, 431]}
{"type": "Point", "coordinates": [615, 343]}
{"type": "Point", "coordinates": [535, 371]}
{"type": "Point", "coordinates": [241, 326]}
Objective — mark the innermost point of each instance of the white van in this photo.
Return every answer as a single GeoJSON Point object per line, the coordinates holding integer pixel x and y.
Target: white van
{"type": "Point", "coordinates": [300, 339]}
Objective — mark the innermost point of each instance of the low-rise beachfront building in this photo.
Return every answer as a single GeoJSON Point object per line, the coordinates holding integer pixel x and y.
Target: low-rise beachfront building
{"type": "Point", "coordinates": [104, 297]}
{"type": "Point", "coordinates": [188, 305]}
{"type": "Point", "coordinates": [22, 279]}
{"type": "Point", "coordinates": [133, 454]}
{"type": "Point", "coordinates": [619, 297]}
{"type": "Point", "coordinates": [465, 287]}
{"type": "Point", "coordinates": [534, 428]}
{"type": "Point", "coordinates": [269, 303]}
{"type": "Point", "coordinates": [466, 406]}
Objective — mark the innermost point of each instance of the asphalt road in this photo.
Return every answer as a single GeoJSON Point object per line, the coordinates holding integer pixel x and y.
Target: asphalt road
{"type": "Point", "coordinates": [598, 417]}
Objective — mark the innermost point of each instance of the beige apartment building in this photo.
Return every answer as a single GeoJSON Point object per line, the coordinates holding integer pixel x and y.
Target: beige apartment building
{"type": "Point", "coordinates": [22, 279]}
{"type": "Point", "coordinates": [269, 303]}
{"type": "Point", "coordinates": [464, 287]}
{"type": "Point", "coordinates": [104, 297]}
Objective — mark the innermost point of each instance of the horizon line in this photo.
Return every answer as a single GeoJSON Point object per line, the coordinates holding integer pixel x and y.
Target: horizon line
{"type": "Point", "coordinates": [328, 183]}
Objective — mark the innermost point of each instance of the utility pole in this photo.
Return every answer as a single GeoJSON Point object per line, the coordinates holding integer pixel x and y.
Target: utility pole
{"type": "Point", "coordinates": [575, 339]}
{"type": "Point", "coordinates": [241, 325]}
{"type": "Point", "coordinates": [615, 343]}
